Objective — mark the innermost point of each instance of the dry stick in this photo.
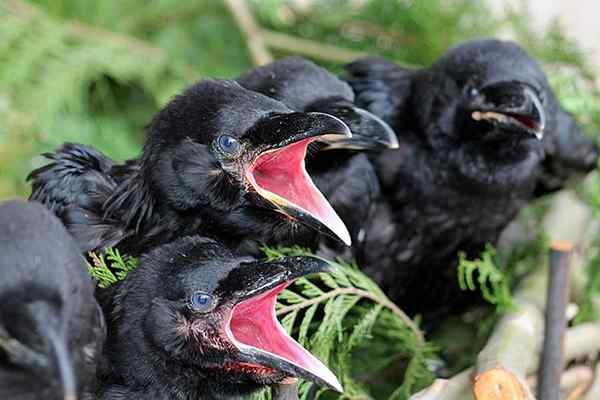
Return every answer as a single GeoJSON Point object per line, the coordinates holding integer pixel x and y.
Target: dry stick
{"type": "Point", "coordinates": [570, 379]}
{"type": "Point", "coordinates": [287, 390]}
{"type": "Point", "coordinates": [254, 40]}
{"type": "Point", "coordinates": [314, 49]}
{"type": "Point", "coordinates": [309, 48]}
{"type": "Point", "coordinates": [552, 360]}
{"type": "Point", "coordinates": [594, 391]}
{"type": "Point", "coordinates": [78, 30]}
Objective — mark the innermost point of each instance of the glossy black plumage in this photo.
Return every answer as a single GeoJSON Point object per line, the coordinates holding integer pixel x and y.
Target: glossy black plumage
{"type": "Point", "coordinates": [470, 158]}
{"type": "Point", "coordinates": [183, 183]}
{"type": "Point", "coordinates": [51, 328]}
{"type": "Point", "coordinates": [340, 169]}
{"type": "Point", "coordinates": [162, 346]}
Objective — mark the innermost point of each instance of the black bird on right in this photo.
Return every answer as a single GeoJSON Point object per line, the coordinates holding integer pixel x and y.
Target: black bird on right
{"type": "Point", "coordinates": [481, 133]}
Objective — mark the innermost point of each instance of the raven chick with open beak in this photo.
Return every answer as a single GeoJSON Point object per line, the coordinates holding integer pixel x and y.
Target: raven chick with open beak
{"type": "Point", "coordinates": [338, 166]}
{"type": "Point", "coordinates": [193, 321]}
{"type": "Point", "coordinates": [219, 160]}
{"type": "Point", "coordinates": [481, 133]}
{"type": "Point", "coordinates": [51, 328]}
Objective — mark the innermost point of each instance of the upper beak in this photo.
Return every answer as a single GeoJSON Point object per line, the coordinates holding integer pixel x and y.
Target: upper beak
{"type": "Point", "coordinates": [278, 173]}
{"type": "Point", "coordinates": [255, 330]}
{"type": "Point", "coordinates": [369, 132]}
{"type": "Point", "coordinates": [266, 275]}
{"type": "Point", "coordinates": [65, 368]}
{"type": "Point", "coordinates": [513, 105]}
{"type": "Point", "coordinates": [280, 130]}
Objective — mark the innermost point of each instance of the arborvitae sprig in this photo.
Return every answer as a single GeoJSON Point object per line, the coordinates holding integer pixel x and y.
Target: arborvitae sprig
{"type": "Point", "coordinates": [110, 267]}
{"type": "Point", "coordinates": [347, 321]}
{"type": "Point", "coordinates": [491, 280]}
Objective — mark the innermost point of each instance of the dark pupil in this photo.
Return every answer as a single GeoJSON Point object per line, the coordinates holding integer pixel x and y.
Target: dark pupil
{"type": "Point", "coordinates": [228, 144]}
{"type": "Point", "coordinates": [200, 300]}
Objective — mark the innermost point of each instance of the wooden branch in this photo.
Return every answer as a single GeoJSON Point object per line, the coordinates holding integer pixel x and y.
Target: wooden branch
{"type": "Point", "coordinates": [309, 48]}
{"type": "Point", "coordinates": [552, 360]}
{"type": "Point", "coordinates": [570, 379]}
{"type": "Point", "coordinates": [249, 28]}
{"type": "Point", "coordinates": [582, 341]}
{"type": "Point", "coordinates": [593, 392]}
{"type": "Point", "coordinates": [287, 390]}
{"type": "Point", "coordinates": [79, 30]}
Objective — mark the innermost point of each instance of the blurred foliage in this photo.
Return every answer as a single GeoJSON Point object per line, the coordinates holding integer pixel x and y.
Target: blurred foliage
{"type": "Point", "coordinates": [95, 72]}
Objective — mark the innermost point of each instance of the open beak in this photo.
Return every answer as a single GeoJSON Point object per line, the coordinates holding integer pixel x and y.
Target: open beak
{"type": "Point", "coordinates": [254, 329]}
{"type": "Point", "coordinates": [369, 132]}
{"type": "Point", "coordinates": [278, 173]}
{"type": "Point", "coordinates": [512, 105]}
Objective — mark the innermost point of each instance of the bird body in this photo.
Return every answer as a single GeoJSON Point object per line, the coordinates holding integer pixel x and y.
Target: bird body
{"type": "Point", "coordinates": [478, 132]}
{"type": "Point", "coordinates": [51, 329]}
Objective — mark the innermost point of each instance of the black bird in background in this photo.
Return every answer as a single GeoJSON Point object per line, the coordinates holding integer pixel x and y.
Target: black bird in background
{"type": "Point", "coordinates": [339, 168]}
{"type": "Point", "coordinates": [218, 160]}
{"type": "Point", "coordinates": [481, 133]}
{"type": "Point", "coordinates": [193, 321]}
{"type": "Point", "coordinates": [51, 328]}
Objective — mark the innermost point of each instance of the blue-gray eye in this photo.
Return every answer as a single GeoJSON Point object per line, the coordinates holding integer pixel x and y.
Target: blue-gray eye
{"type": "Point", "coordinates": [201, 302]}
{"type": "Point", "coordinates": [229, 144]}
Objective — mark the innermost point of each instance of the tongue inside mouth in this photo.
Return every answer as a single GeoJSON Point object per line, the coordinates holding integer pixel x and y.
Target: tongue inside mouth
{"type": "Point", "coordinates": [254, 324]}
{"type": "Point", "coordinates": [280, 177]}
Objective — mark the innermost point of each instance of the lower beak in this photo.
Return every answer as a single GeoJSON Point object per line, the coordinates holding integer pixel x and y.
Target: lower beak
{"type": "Point", "coordinates": [513, 106]}
{"type": "Point", "coordinates": [369, 132]}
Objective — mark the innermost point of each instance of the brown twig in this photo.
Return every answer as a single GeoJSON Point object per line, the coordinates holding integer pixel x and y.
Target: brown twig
{"type": "Point", "coordinates": [78, 29]}
{"type": "Point", "coordinates": [287, 390]}
{"type": "Point", "coordinates": [397, 311]}
{"type": "Point", "coordinates": [254, 40]}
{"type": "Point", "coordinates": [552, 359]}
{"type": "Point", "coordinates": [309, 48]}
{"type": "Point", "coordinates": [570, 379]}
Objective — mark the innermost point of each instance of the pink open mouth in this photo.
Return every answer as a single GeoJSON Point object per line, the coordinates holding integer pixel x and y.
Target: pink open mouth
{"type": "Point", "coordinates": [280, 177]}
{"type": "Point", "coordinates": [253, 324]}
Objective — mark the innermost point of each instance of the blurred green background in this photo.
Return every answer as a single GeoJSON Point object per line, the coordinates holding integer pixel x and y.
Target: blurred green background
{"type": "Point", "coordinates": [95, 72]}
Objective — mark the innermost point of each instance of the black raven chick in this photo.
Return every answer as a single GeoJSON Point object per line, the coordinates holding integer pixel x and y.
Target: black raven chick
{"type": "Point", "coordinates": [193, 321]}
{"type": "Point", "coordinates": [480, 133]}
{"type": "Point", "coordinates": [339, 168]}
{"type": "Point", "coordinates": [219, 160]}
{"type": "Point", "coordinates": [51, 328]}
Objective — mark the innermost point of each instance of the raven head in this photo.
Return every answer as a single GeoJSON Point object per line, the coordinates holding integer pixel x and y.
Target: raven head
{"type": "Point", "coordinates": [213, 313]}
{"type": "Point", "coordinates": [219, 148]}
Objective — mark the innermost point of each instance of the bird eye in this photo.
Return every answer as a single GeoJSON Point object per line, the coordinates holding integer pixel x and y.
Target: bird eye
{"type": "Point", "coordinates": [228, 144]}
{"type": "Point", "coordinates": [473, 92]}
{"type": "Point", "coordinates": [201, 302]}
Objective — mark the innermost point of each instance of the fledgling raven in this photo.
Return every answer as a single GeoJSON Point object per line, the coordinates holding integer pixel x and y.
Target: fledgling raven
{"type": "Point", "coordinates": [480, 134]}
{"type": "Point", "coordinates": [51, 328]}
{"type": "Point", "coordinates": [219, 160]}
{"type": "Point", "coordinates": [193, 321]}
{"type": "Point", "coordinates": [339, 168]}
